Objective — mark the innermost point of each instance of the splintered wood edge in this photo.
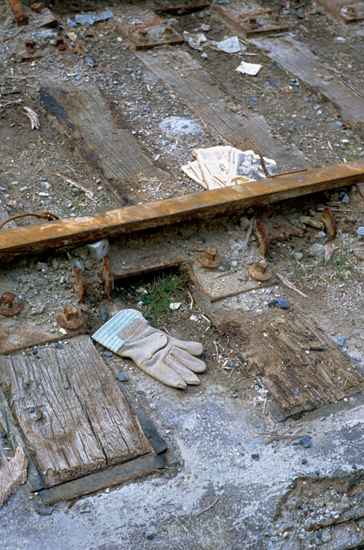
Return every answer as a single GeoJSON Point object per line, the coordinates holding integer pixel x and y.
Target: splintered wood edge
{"type": "Point", "coordinates": [112, 477]}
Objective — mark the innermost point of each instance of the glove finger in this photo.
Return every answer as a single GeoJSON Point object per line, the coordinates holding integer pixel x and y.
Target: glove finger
{"type": "Point", "coordinates": [186, 359]}
{"type": "Point", "coordinates": [163, 373]}
{"type": "Point", "coordinates": [194, 348]}
{"type": "Point", "coordinates": [188, 376]}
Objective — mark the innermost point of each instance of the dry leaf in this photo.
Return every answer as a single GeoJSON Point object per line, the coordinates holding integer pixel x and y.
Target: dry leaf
{"type": "Point", "coordinates": [33, 117]}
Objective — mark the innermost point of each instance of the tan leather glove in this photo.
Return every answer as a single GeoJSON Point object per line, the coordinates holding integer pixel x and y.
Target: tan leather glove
{"type": "Point", "coordinates": [169, 360]}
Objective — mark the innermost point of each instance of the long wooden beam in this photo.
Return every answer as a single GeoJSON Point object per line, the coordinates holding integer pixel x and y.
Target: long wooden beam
{"type": "Point", "coordinates": [77, 231]}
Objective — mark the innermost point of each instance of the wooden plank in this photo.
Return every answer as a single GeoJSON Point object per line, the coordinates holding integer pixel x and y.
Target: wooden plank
{"type": "Point", "coordinates": [188, 79]}
{"type": "Point", "coordinates": [103, 139]}
{"type": "Point", "coordinates": [302, 369]}
{"type": "Point", "coordinates": [13, 473]}
{"type": "Point", "coordinates": [111, 477]}
{"type": "Point", "coordinates": [77, 231]}
{"type": "Point", "coordinates": [296, 58]}
{"type": "Point", "coordinates": [15, 440]}
{"type": "Point", "coordinates": [72, 414]}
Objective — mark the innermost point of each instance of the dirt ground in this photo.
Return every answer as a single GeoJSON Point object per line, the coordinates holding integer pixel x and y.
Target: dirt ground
{"type": "Point", "coordinates": [211, 430]}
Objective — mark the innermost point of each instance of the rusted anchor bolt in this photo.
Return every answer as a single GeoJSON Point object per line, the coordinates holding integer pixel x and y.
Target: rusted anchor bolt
{"type": "Point", "coordinates": [7, 307]}
{"type": "Point", "coordinates": [210, 258]}
{"type": "Point", "coordinates": [252, 22]}
{"type": "Point", "coordinates": [70, 319]}
{"type": "Point", "coordinates": [350, 10]}
{"type": "Point", "coordinates": [260, 271]}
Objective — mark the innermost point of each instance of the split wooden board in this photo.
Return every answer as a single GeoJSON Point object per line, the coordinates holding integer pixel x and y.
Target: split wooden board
{"type": "Point", "coordinates": [74, 418]}
{"type": "Point", "coordinates": [198, 206]}
{"type": "Point", "coordinates": [187, 78]}
{"type": "Point", "coordinates": [296, 58]}
{"type": "Point", "coordinates": [101, 136]}
{"type": "Point", "coordinates": [297, 363]}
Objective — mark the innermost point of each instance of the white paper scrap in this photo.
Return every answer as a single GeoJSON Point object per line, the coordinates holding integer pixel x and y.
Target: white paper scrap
{"type": "Point", "coordinates": [249, 68]}
{"type": "Point", "coordinates": [231, 45]}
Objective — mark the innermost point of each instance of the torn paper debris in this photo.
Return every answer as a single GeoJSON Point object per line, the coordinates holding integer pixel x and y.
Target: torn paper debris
{"type": "Point", "coordinates": [230, 45]}
{"type": "Point", "coordinates": [195, 40]}
{"type": "Point", "coordinates": [249, 68]}
{"type": "Point", "coordinates": [224, 166]}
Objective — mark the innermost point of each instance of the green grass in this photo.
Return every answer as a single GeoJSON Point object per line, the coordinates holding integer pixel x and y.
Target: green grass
{"type": "Point", "coordinates": [162, 291]}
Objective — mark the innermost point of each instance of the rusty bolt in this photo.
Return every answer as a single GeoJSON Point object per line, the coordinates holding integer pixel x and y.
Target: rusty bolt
{"type": "Point", "coordinates": [7, 307]}
{"type": "Point", "coordinates": [274, 17]}
{"type": "Point", "coordinates": [350, 11]}
{"type": "Point", "coordinates": [29, 43]}
{"type": "Point", "coordinates": [70, 319]}
{"type": "Point", "coordinates": [252, 22]}
{"type": "Point", "coordinates": [36, 7]}
{"type": "Point", "coordinates": [260, 271]}
{"type": "Point", "coordinates": [210, 258]}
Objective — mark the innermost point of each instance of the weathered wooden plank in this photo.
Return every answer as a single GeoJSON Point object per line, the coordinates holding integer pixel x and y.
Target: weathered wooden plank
{"type": "Point", "coordinates": [296, 58]}
{"type": "Point", "coordinates": [73, 416]}
{"type": "Point", "coordinates": [14, 438]}
{"type": "Point", "coordinates": [13, 473]}
{"type": "Point", "coordinates": [293, 358]}
{"type": "Point", "coordinates": [104, 140]}
{"type": "Point", "coordinates": [76, 231]}
{"type": "Point", "coordinates": [111, 477]}
{"type": "Point", "coordinates": [202, 92]}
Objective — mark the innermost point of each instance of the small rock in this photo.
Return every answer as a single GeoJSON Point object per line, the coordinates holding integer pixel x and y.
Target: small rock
{"type": "Point", "coordinates": [255, 456]}
{"type": "Point", "coordinates": [205, 28]}
{"type": "Point", "coordinates": [27, 354]}
{"type": "Point", "coordinates": [341, 341]}
{"type": "Point", "coordinates": [255, 99]}
{"type": "Point", "coordinates": [306, 442]}
{"type": "Point", "coordinates": [346, 198]}
{"type": "Point", "coordinates": [34, 351]}
{"type": "Point", "coordinates": [273, 303]}
{"type": "Point", "coordinates": [152, 406]}
{"type": "Point", "coordinates": [3, 435]}
{"type": "Point", "coordinates": [177, 126]}
{"type": "Point", "coordinates": [122, 377]}
{"type": "Point", "coordinates": [298, 256]}
{"type": "Point", "coordinates": [340, 39]}
{"type": "Point", "coordinates": [104, 314]}
{"type": "Point", "coordinates": [58, 345]}
{"type": "Point", "coordinates": [321, 235]}
{"type": "Point", "coordinates": [88, 264]}
{"type": "Point", "coordinates": [108, 354]}
{"type": "Point", "coordinates": [304, 461]}
{"type": "Point", "coordinates": [66, 387]}
{"type": "Point", "coordinates": [282, 303]}
{"type": "Point", "coordinates": [360, 232]}
{"type": "Point", "coordinates": [317, 250]}
{"type": "Point", "coordinates": [150, 533]}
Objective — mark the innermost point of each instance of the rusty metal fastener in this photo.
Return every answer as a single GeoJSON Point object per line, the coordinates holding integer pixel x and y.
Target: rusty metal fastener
{"type": "Point", "coordinates": [7, 307]}
{"type": "Point", "coordinates": [252, 22]}
{"type": "Point", "coordinates": [210, 258]}
{"type": "Point", "coordinates": [107, 277]}
{"type": "Point", "coordinates": [260, 271]}
{"type": "Point", "coordinates": [70, 319]}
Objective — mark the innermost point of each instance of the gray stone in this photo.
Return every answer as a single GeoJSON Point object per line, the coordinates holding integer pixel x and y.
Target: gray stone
{"type": "Point", "coordinates": [150, 533]}
{"type": "Point", "coordinates": [177, 126]}
{"type": "Point", "coordinates": [341, 341]}
{"type": "Point", "coordinates": [122, 377]}
{"type": "Point", "coordinates": [318, 251]}
{"type": "Point", "coordinates": [282, 303]}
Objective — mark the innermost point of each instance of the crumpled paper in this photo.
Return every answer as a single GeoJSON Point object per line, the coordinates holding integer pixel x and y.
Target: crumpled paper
{"type": "Point", "coordinates": [224, 166]}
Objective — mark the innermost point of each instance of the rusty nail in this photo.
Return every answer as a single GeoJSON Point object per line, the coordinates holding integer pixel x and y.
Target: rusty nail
{"type": "Point", "coordinates": [7, 307]}
{"type": "Point", "coordinates": [107, 277]}
{"type": "Point", "coordinates": [210, 258]}
{"type": "Point", "coordinates": [275, 17]}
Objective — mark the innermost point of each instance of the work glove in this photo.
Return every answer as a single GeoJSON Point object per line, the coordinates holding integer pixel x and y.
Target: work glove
{"type": "Point", "coordinates": [169, 360]}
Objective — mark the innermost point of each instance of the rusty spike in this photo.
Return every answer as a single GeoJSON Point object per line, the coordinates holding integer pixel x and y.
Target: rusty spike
{"type": "Point", "coordinates": [70, 318]}
{"type": "Point", "coordinates": [7, 307]}
{"type": "Point", "coordinates": [210, 258]}
{"type": "Point", "coordinates": [18, 11]}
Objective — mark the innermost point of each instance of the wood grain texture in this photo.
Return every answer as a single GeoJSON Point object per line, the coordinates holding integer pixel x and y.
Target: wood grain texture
{"type": "Point", "coordinates": [202, 92]}
{"type": "Point", "coordinates": [293, 358]}
{"type": "Point", "coordinates": [101, 136]}
{"type": "Point", "coordinates": [296, 58]}
{"type": "Point", "coordinates": [14, 440]}
{"type": "Point", "coordinates": [13, 473]}
{"type": "Point", "coordinates": [113, 476]}
{"type": "Point", "coordinates": [73, 416]}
